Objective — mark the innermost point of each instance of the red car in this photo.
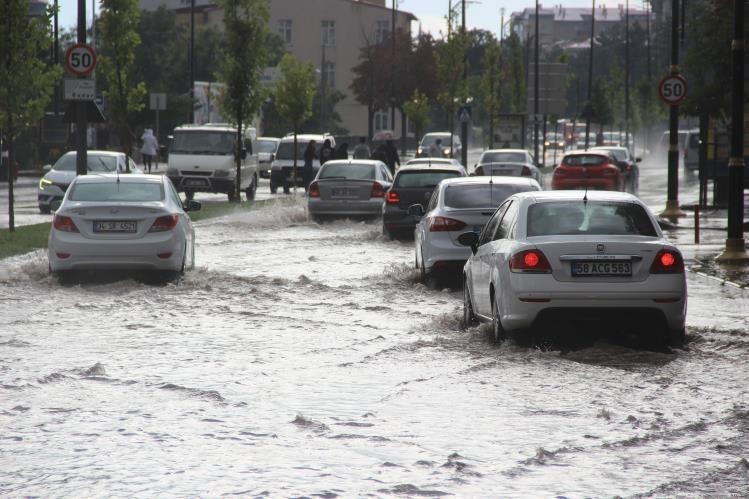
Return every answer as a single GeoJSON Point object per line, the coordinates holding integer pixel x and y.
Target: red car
{"type": "Point", "coordinates": [588, 169]}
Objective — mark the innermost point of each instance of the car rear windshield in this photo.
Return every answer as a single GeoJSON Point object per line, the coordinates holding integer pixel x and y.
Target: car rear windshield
{"type": "Point", "coordinates": [480, 195]}
{"type": "Point", "coordinates": [423, 178]}
{"type": "Point", "coordinates": [356, 171]}
{"type": "Point", "coordinates": [203, 142]}
{"type": "Point", "coordinates": [584, 160]}
{"type": "Point", "coordinates": [593, 217]}
{"type": "Point", "coordinates": [94, 162]}
{"type": "Point", "coordinates": [117, 191]}
{"type": "Point", "coordinates": [503, 157]}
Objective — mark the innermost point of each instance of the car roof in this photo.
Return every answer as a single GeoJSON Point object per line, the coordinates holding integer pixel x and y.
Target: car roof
{"type": "Point", "coordinates": [110, 177]}
{"type": "Point", "coordinates": [485, 179]}
{"type": "Point", "coordinates": [582, 152]}
{"type": "Point", "coordinates": [578, 195]}
{"type": "Point", "coordinates": [506, 150]}
{"type": "Point", "coordinates": [221, 127]}
{"type": "Point", "coordinates": [308, 136]}
{"type": "Point", "coordinates": [96, 152]}
{"type": "Point", "coordinates": [424, 167]}
{"type": "Point", "coordinates": [353, 161]}
{"type": "Point", "coordinates": [428, 160]}
{"type": "Point", "coordinates": [269, 138]}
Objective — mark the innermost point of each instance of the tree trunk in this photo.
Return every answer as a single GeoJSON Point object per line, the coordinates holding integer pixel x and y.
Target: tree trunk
{"type": "Point", "coordinates": [296, 152]}
{"type": "Point", "coordinates": [11, 173]}
{"type": "Point", "coordinates": [239, 155]}
{"type": "Point", "coordinates": [403, 132]}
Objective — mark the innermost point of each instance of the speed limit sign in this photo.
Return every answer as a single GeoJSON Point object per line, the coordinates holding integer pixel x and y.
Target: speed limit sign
{"type": "Point", "coordinates": [672, 89]}
{"type": "Point", "coordinates": [80, 59]}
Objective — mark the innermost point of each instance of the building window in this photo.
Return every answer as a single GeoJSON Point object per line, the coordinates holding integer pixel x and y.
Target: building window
{"type": "Point", "coordinates": [381, 120]}
{"type": "Point", "coordinates": [382, 31]}
{"type": "Point", "coordinates": [329, 74]}
{"type": "Point", "coordinates": [328, 33]}
{"type": "Point", "coordinates": [284, 29]}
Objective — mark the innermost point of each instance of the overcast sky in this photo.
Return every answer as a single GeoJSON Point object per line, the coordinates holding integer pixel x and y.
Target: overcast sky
{"type": "Point", "coordinates": [483, 14]}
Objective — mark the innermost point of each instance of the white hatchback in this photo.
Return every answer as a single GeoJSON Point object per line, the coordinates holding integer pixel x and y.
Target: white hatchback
{"type": "Point", "coordinates": [458, 204]}
{"type": "Point", "coordinates": [122, 222]}
{"type": "Point", "coordinates": [552, 257]}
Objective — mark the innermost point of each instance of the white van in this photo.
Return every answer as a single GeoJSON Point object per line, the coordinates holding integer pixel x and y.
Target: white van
{"type": "Point", "coordinates": [282, 174]}
{"type": "Point", "coordinates": [202, 158]}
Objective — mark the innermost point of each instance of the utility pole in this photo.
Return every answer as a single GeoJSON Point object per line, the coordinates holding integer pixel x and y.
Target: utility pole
{"type": "Point", "coordinates": [672, 210]}
{"type": "Point", "coordinates": [535, 94]}
{"type": "Point", "coordinates": [464, 123]}
{"type": "Point", "coordinates": [392, 76]}
{"type": "Point", "coordinates": [626, 76]}
{"type": "Point", "coordinates": [735, 244]}
{"type": "Point", "coordinates": [81, 156]}
{"type": "Point", "coordinates": [191, 62]}
{"type": "Point", "coordinates": [56, 58]}
{"type": "Point", "coordinates": [589, 107]}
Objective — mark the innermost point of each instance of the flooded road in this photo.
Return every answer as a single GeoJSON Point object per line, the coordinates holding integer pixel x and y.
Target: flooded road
{"type": "Point", "coordinates": [306, 360]}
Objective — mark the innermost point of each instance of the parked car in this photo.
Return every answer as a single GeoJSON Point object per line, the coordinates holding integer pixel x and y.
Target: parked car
{"type": "Point", "coordinates": [122, 222]}
{"type": "Point", "coordinates": [202, 158]}
{"type": "Point", "coordinates": [457, 205]}
{"type": "Point", "coordinates": [430, 139]}
{"type": "Point", "coordinates": [282, 167]}
{"type": "Point", "coordinates": [627, 165]}
{"type": "Point", "coordinates": [549, 258]}
{"type": "Point", "coordinates": [55, 182]}
{"type": "Point", "coordinates": [413, 184]}
{"type": "Point", "coordinates": [349, 188]}
{"type": "Point", "coordinates": [587, 170]}
{"type": "Point", "coordinates": [266, 152]}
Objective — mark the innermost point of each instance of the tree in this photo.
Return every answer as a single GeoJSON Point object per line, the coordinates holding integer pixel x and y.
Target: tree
{"type": "Point", "coordinates": [517, 91]}
{"type": "Point", "coordinates": [26, 82]}
{"type": "Point", "coordinates": [118, 31]}
{"type": "Point", "coordinates": [417, 111]}
{"type": "Point", "coordinates": [490, 84]}
{"type": "Point", "coordinates": [450, 58]}
{"type": "Point", "coordinates": [241, 65]}
{"type": "Point", "coordinates": [294, 94]}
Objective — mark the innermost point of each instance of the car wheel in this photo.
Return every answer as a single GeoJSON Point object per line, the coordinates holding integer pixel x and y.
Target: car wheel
{"type": "Point", "coordinates": [250, 191]}
{"type": "Point", "coordinates": [44, 210]}
{"type": "Point", "coordinates": [232, 195]}
{"type": "Point", "coordinates": [273, 188]}
{"type": "Point", "coordinates": [469, 318]}
{"type": "Point", "coordinates": [676, 337]}
{"type": "Point", "coordinates": [286, 188]}
{"type": "Point", "coordinates": [498, 332]}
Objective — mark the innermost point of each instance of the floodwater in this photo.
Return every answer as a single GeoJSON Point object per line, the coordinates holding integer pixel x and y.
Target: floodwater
{"type": "Point", "coordinates": [306, 360]}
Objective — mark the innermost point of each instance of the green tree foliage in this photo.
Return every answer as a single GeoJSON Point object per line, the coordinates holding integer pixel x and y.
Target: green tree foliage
{"type": "Point", "coordinates": [490, 84]}
{"type": "Point", "coordinates": [450, 62]}
{"type": "Point", "coordinates": [294, 93]}
{"type": "Point", "coordinates": [26, 82]}
{"type": "Point", "coordinates": [417, 111]}
{"type": "Point", "coordinates": [514, 94]}
{"type": "Point", "coordinates": [118, 32]}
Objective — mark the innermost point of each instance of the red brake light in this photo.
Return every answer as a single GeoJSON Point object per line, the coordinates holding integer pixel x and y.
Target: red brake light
{"type": "Point", "coordinates": [162, 224]}
{"type": "Point", "coordinates": [445, 224]}
{"type": "Point", "coordinates": [313, 190]}
{"type": "Point", "coordinates": [392, 197]}
{"type": "Point", "coordinates": [667, 262]}
{"type": "Point", "coordinates": [377, 190]}
{"type": "Point", "coordinates": [526, 172]}
{"type": "Point", "coordinates": [531, 261]}
{"type": "Point", "coordinates": [63, 223]}
{"type": "Point", "coordinates": [479, 170]}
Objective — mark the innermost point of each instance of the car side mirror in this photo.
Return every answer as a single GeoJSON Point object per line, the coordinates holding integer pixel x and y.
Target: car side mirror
{"type": "Point", "coordinates": [193, 205]}
{"type": "Point", "coordinates": [416, 210]}
{"type": "Point", "coordinates": [47, 168]}
{"type": "Point", "coordinates": [469, 239]}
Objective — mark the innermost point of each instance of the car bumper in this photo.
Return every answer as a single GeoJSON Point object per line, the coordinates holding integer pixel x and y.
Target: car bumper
{"type": "Point", "coordinates": [204, 184]}
{"type": "Point", "coordinates": [369, 208]}
{"type": "Point", "coordinates": [396, 219]}
{"type": "Point", "coordinates": [442, 255]}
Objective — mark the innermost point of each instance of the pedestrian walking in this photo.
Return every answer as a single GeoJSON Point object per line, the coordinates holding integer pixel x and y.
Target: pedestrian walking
{"type": "Point", "coordinates": [379, 153]}
{"type": "Point", "coordinates": [326, 152]}
{"type": "Point", "coordinates": [149, 149]}
{"type": "Point", "coordinates": [362, 151]}
{"type": "Point", "coordinates": [342, 151]}
{"type": "Point", "coordinates": [391, 156]}
{"type": "Point", "coordinates": [308, 171]}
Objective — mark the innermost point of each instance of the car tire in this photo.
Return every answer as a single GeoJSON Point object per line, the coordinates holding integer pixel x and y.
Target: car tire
{"type": "Point", "coordinates": [676, 337]}
{"type": "Point", "coordinates": [45, 210]}
{"type": "Point", "coordinates": [273, 188]}
{"type": "Point", "coordinates": [286, 189]}
{"type": "Point", "coordinates": [469, 318]}
{"type": "Point", "coordinates": [232, 195]}
{"type": "Point", "coordinates": [498, 332]}
{"type": "Point", "coordinates": [250, 191]}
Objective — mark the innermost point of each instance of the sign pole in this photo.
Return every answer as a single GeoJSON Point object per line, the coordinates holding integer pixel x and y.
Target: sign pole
{"type": "Point", "coordinates": [81, 159]}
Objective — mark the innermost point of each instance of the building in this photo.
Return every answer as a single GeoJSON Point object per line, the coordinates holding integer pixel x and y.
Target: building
{"type": "Point", "coordinates": [328, 33]}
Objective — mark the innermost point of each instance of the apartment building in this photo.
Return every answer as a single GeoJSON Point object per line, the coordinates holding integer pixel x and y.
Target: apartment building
{"type": "Point", "coordinates": [328, 33]}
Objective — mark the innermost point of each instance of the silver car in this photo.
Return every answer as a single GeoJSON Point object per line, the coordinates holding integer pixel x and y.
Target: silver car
{"type": "Point", "coordinates": [349, 188]}
{"type": "Point", "coordinates": [55, 182]}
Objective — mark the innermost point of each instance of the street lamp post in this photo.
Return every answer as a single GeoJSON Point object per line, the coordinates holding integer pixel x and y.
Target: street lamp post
{"type": "Point", "coordinates": [589, 108]}
{"type": "Point", "coordinates": [392, 77]}
{"type": "Point", "coordinates": [463, 122]}
{"type": "Point", "coordinates": [191, 91]}
{"type": "Point", "coordinates": [80, 106]}
{"type": "Point", "coordinates": [535, 92]}
{"type": "Point", "coordinates": [626, 76]}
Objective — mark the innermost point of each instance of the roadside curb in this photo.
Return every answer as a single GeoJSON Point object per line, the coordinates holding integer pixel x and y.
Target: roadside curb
{"type": "Point", "coordinates": [719, 280]}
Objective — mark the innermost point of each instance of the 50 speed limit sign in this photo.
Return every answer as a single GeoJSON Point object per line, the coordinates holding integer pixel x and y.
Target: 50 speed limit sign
{"type": "Point", "coordinates": [672, 89]}
{"type": "Point", "coordinates": [80, 59]}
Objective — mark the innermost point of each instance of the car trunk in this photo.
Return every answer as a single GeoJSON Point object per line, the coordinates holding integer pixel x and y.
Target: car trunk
{"type": "Point", "coordinates": [115, 221]}
{"type": "Point", "coordinates": [340, 189]}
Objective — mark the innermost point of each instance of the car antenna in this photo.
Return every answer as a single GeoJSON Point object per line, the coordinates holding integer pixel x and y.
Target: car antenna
{"type": "Point", "coordinates": [585, 196]}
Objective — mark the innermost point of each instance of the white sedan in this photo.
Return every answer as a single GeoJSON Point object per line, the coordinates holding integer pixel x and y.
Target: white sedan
{"type": "Point", "coordinates": [458, 204]}
{"type": "Point", "coordinates": [555, 257]}
{"type": "Point", "coordinates": [122, 222]}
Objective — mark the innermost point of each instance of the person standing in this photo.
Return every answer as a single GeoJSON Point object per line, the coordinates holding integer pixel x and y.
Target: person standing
{"type": "Point", "coordinates": [149, 148]}
{"type": "Point", "coordinates": [308, 171]}
{"type": "Point", "coordinates": [362, 151]}
{"type": "Point", "coordinates": [326, 152]}
{"type": "Point", "coordinates": [391, 156]}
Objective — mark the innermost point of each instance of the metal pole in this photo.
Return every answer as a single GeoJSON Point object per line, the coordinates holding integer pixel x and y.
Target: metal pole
{"type": "Point", "coordinates": [81, 160]}
{"type": "Point", "coordinates": [590, 76]}
{"type": "Point", "coordinates": [535, 94]}
{"type": "Point", "coordinates": [56, 59]}
{"type": "Point", "coordinates": [463, 123]}
{"type": "Point", "coordinates": [191, 62]}
{"type": "Point", "coordinates": [735, 244]}
{"type": "Point", "coordinates": [626, 76]}
{"type": "Point", "coordinates": [392, 77]}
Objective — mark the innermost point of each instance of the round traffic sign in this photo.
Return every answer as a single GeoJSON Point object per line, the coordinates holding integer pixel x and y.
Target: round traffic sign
{"type": "Point", "coordinates": [672, 89]}
{"type": "Point", "coordinates": [80, 59]}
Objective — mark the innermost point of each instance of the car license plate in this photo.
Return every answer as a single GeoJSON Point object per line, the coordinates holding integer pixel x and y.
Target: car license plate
{"type": "Point", "coordinates": [115, 226]}
{"type": "Point", "coordinates": [342, 193]}
{"type": "Point", "coordinates": [195, 182]}
{"type": "Point", "coordinates": [583, 269]}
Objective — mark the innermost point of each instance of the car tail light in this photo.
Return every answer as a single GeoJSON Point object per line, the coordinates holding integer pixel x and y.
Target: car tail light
{"type": "Point", "coordinates": [162, 224]}
{"type": "Point", "coordinates": [667, 262]}
{"type": "Point", "coordinates": [314, 190]}
{"type": "Point", "coordinates": [65, 224]}
{"type": "Point", "coordinates": [378, 191]}
{"type": "Point", "coordinates": [526, 172]}
{"type": "Point", "coordinates": [392, 197]}
{"type": "Point", "coordinates": [531, 261]}
{"type": "Point", "coordinates": [445, 224]}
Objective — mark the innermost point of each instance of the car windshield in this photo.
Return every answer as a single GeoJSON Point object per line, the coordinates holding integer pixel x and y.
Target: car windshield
{"type": "Point", "coordinates": [286, 149]}
{"type": "Point", "coordinates": [267, 145]}
{"type": "Point", "coordinates": [584, 160]}
{"type": "Point", "coordinates": [203, 142]}
{"type": "Point", "coordinates": [117, 191]}
{"type": "Point", "coordinates": [423, 178]}
{"type": "Point", "coordinates": [428, 140]}
{"type": "Point", "coordinates": [593, 218]}
{"type": "Point", "coordinates": [94, 162]}
{"type": "Point", "coordinates": [480, 195]}
{"type": "Point", "coordinates": [355, 171]}
{"type": "Point", "coordinates": [503, 157]}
